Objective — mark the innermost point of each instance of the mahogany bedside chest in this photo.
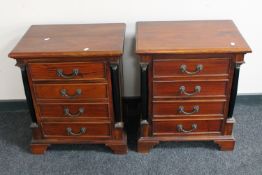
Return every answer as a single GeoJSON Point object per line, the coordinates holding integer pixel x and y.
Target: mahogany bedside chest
{"type": "Point", "coordinates": [189, 79]}
{"type": "Point", "coordinates": [72, 82]}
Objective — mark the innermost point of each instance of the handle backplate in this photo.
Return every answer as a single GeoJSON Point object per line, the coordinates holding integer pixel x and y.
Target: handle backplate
{"type": "Point", "coordinates": [71, 133]}
{"type": "Point", "coordinates": [183, 69]}
{"type": "Point", "coordinates": [180, 128]}
{"type": "Point", "coordinates": [182, 90]}
{"type": "Point", "coordinates": [64, 93]}
{"type": "Point", "coordinates": [61, 73]}
{"type": "Point", "coordinates": [77, 114]}
{"type": "Point", "coordinates": [181, 110]}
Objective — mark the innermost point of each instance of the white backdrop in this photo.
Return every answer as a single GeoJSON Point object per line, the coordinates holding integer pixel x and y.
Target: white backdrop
{"type": "Point", "coordinates": [17, 15]}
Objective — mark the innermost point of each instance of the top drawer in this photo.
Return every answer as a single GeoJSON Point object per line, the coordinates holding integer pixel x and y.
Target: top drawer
{"type": "Point", "coordinates": [191, 67]}
{"type": "Point", "coordinates": [68, 71]}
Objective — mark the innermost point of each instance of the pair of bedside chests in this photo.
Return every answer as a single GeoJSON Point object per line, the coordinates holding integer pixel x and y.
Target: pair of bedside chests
{"type": "Point", "coordinates": [189, 78]}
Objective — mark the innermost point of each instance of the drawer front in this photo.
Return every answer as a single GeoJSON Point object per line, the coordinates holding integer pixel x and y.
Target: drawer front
{"type": "Point", "coordinates": [189, 89]}
{"type": "Point", "coordinates": [67, 71]}
{"type": "Point", "coordinates": [71, 91]}
{"type": "Point", "coordinates": [76, 129]}
{"type": "Point", "coordinates": [190, 67]}
{"type": "Point", "coordinates": [73, 110]}
{"type": "Point", "coordinates": [187, 127]}
{"type": "Point", "coordinates": [184, 108]}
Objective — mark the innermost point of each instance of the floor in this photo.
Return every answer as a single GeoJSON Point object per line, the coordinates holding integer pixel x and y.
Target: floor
{"type": "Point", "coordinates": [166, 158]}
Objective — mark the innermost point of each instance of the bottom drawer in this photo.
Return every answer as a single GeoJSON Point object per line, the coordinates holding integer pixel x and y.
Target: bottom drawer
{"type": "Point", "coordinates": [187, 127]}
{"type": "Point", "coordinates": [52, 129]}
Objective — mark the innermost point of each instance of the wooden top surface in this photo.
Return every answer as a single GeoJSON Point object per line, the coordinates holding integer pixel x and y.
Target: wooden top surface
{"type": "Point", "coordinates": [81, 40]}
{"type": "Point", "coordinates": [189, 37]}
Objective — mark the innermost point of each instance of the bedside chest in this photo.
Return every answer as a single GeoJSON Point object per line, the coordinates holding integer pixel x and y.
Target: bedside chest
{"type": "Point", "coordinates": [189, 77]}
{"type": "Point", "coordinates": [72, 82]}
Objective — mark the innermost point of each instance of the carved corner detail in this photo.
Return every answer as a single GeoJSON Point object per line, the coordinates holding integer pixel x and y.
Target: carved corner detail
{"type": "Point", "coordinates": [144, 128]}
{"type": "Point", "coordinates": [238, 64]}
{"type": "Point", "coordinates": [20, 64]}
{"type": "Point", "coordinates": [144, 122]}
{"type": "Point", "coordinates": [34, 125]}
{"type": "Point", "coordinates": [228, 130]}
{"type": "Point", "coordinates": [114, 66]}
{"type": "Point", "coordinates": [144, 66]}
{"type": "Point", "coordinates": [36, 131]}
{"type": "Point", "coordinates": [118, 131]}
{"type": "Point", "coordinates": [119, 125]}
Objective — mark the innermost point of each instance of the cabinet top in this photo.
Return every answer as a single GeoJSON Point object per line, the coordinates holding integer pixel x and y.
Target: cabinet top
{"type": "Point", "coordinates": [70, 40]}
{"type": "Point", "coordinates": [189, 37]}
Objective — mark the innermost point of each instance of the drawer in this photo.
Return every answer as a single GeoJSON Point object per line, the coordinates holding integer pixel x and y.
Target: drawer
{"type": "Point", "coordinates": [71, 91]}
{"type": "Point", "coordinates": [191, 67]}
{"type": "Point", "coordinates": [67, 71]}
{"type": "Point", "coordinates": [189, 89]}
{"type": "Point", "coordinates": [84, 110]}
{"type": "Point", "coordinates": [51, 129]}
{"type": "Point", "coordinates": [184, 108]}
{"type": "Point", "coordinates": [187, 127]}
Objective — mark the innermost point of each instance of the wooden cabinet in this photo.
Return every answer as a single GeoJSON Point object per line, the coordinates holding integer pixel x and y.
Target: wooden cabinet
{"type": "Point", "coordinates": [72, 81]}
{"type": "Point", "coordinates": [189, 77]}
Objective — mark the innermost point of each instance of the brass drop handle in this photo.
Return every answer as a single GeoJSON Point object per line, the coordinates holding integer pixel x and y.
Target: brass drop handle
{"type": "Point", "coordinates": [180, 128]}
{"type": "Point", "coordinates": [183, 90]}
{"type": "Point", "coordinates": [71, 133]}
{"type": "Point", "coordinates": [77, 114]}
{"type": "Point", "coordinates": [64, 93]}
{"type": "Point", "coordinates": [60, 73]}
{"type": "Point", "coordinates": [181, 110]}
{"type": "Point", "coordinates": [183, 69]}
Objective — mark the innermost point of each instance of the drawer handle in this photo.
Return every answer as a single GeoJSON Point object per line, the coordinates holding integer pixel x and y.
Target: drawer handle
{"type": "Point", "coordinates": [60, 73]}
{"type": "Point", "coordinates": [77, 114]}
{"type": "Point", "coordinates": [65, 94]}
{"type": "Point", "coordinates": [180, 128]}
{"type": "Point", "coordinates": [183, 90]}
{"type": "Point", "coordinates": [181, 110]}
{"type": "Point", "coordinates": [183, 68]}
{"type": "Point", "coordinates": [71, 133]}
